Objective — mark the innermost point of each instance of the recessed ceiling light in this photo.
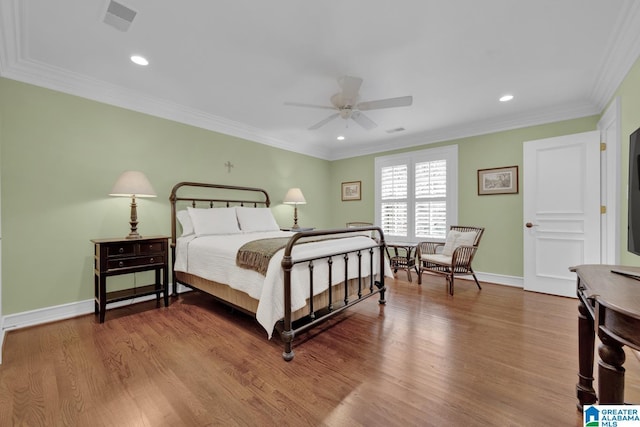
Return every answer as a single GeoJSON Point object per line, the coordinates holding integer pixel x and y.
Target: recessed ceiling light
{"type": "Point", "coordinates": [340, 138]}
{"type": "Point", "coordinates": [140, 60]}
{"type": "Point", "coordinates": [506, 98]}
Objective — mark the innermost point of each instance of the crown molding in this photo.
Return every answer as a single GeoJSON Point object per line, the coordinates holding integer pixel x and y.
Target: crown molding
{"type": "Point", "coordinates": [623, 50]}
{"type": "Point", "coordinates": [504, 123]}
{"type": "Point", "coordinates": [44, 75]}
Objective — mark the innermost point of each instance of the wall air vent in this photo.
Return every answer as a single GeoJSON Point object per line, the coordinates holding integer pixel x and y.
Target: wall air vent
{"type": "Point", "coordinates": [119, 16]}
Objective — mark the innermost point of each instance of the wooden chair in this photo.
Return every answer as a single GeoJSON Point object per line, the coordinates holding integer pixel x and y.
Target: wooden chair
{"type": "Point", "coordinates": [452, 258]}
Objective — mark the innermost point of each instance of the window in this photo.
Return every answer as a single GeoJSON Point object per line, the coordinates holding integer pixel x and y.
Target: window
{"type": "Point", "coordinates": [417, 193]}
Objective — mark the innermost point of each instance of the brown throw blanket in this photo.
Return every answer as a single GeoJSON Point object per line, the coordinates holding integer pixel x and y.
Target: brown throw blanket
{"type": "Point", "coordinates": [255, 255]}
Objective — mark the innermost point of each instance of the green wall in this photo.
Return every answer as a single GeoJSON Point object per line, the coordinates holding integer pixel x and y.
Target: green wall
{"type": "Point", "coordinates": [501, 215]}
{"type": "Point", "coordinates": [60, 155]}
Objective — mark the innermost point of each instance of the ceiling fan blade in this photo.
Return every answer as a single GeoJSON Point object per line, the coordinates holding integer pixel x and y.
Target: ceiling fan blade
{"type": "Point", "coordinates": [324, 121]}
{"type": "Point", "coordinates": [350, 88]}
{"type": "Point", "coordinates": [401, 101]}
{"type": "Point", "coordinates": [363, 120]}
{"type": "Point", "coordinates": [300, 104]}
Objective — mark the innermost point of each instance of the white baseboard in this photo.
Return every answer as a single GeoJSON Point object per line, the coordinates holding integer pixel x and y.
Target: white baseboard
{"type": "Point", "coordinates": [500, 279]}
{"type": "Point", "coordinates": [59, 312]}
{"type": "Point", "coordinates": [182, 289]}
{"type": "Point", "coordinates": [64, 311]}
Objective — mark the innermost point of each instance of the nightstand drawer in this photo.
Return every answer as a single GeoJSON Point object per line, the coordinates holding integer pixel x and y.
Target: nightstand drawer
{"type": "Point", "coordinates": [121, 249]}
{"type": "Point", "coordinates": [150, 248]}
{"type": "Point", "coordinates": [134, 262]}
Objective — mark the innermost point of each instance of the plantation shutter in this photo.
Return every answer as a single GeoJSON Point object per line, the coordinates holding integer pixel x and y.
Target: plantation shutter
{"type": "Point", "coordinates": [417, 193]}
{"type": "Point", "coordinates": [394, 195]}
{"type": "Point", "coordinates": [431, 199]}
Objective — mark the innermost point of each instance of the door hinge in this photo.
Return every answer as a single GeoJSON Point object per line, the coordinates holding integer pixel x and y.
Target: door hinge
{"type": "Point", "coordinates": [603, 146]}
{"type": "Point", "coordinates": [603, 209]}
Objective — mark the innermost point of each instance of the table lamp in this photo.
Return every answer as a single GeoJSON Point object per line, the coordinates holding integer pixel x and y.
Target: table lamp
{"type": "Point", "coordinates": [133, 184]}
{"type": "Point", "coordinates": [294, 197]}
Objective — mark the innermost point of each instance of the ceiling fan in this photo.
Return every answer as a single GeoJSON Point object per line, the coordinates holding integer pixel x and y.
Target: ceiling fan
{"type": "Point", "coordinates": [347, 105]}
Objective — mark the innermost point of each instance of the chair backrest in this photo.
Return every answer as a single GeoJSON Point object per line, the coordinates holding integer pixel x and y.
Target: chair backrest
{"type": "Point", "coordinates": [353, 224]}
{"type": "Point", "coordinates": [464, 229]}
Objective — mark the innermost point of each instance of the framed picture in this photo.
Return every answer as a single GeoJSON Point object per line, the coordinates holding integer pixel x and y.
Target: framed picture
{"type": "Point", "coordinates": [498, 180]}
{"type": "Point", "coordinates": [351, 190]}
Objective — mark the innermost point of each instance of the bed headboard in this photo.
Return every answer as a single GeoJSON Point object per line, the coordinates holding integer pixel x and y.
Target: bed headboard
{"type": "Point", "coordinates": [213, 195]}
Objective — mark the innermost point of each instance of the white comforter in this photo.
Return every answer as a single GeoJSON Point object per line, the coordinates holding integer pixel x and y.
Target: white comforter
{"type": "Point", "coordinates": [214, 258]}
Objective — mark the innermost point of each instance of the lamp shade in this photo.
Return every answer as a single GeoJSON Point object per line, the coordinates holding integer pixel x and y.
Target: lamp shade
{"type": "Point", "coordinates": [132, 184]}
{"type": "Point", "coordinates": [294, 197]}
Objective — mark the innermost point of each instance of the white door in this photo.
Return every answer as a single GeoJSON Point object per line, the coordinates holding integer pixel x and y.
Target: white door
{"type": "Point", "coordinates": [561, 195]}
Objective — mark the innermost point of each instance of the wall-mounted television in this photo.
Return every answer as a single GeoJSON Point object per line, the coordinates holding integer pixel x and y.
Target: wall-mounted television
{"type": "Point", "coordinates": [633, 242]}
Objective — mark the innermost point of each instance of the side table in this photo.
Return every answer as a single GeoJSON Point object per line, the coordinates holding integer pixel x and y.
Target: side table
{"type": "Point", "coordinates": [403, 257]}
{"type": "Point", "coordinates": [113, 257]}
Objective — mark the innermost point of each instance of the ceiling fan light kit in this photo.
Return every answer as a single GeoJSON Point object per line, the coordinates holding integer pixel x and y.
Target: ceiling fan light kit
{"type": "Point", "coordinates": [348, 107]}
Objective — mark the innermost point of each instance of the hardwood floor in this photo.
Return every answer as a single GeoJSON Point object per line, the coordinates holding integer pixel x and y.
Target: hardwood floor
{"type": "Point", "coordinates": [498, 357]}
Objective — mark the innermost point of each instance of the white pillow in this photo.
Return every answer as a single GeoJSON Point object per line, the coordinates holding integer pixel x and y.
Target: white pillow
{"type": "Point", "coordinates": [458, 238]}
{"type": "Point", "coordinates": [214, 221]}
{"type": "Point", "coordinates": [185, 221]}
{"type": "Point", "coordinates": [256, 219]}
{"type": "Point", "coordinates": [466, 238]}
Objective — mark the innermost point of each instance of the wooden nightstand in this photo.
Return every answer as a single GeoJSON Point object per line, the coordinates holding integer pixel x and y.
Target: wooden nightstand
{"type": "Point", "coordinates": [124, 256]}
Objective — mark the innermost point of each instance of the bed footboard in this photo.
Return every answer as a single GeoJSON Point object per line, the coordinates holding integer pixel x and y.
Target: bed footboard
{"type": "Point", "coordinates": [367, 284]}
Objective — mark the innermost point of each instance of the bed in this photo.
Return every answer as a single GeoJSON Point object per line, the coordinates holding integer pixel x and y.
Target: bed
{"type": "Point", "coordinates": [226, 243]}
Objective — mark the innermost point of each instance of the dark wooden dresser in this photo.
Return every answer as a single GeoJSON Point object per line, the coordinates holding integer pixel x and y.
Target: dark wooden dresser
{"type": "Point", "coordinates": [609, 307]}
{"type": "Point", "coordinates": [114, 257]}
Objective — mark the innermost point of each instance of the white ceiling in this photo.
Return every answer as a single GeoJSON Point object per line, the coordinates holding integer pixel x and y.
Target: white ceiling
{"type": "Point", "coordinates": [229, 65]}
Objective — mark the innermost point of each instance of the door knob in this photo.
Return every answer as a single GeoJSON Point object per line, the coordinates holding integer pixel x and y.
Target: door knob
{"type": "Point", "coordinates": [529, 225]}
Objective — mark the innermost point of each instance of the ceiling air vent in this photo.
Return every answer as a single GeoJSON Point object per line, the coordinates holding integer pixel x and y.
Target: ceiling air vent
{"type": "Point", "coordinates": [119, 16]}
{"type": "Point", "coordinates": [394, 130]}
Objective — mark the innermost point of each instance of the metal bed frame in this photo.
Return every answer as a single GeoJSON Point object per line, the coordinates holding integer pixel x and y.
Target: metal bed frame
{"type": "Point", "coordinates": [290, 325]}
